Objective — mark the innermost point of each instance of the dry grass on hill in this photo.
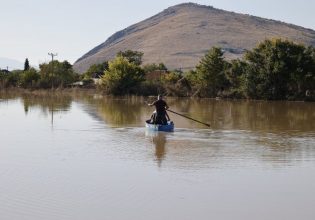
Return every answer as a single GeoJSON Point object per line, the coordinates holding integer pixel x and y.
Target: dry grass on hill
{"type": "Point", "coordinates": [180, 35]}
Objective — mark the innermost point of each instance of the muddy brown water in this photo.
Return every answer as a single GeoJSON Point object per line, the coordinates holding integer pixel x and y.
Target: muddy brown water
{"type": "Point", "coordinates": [90, 157]}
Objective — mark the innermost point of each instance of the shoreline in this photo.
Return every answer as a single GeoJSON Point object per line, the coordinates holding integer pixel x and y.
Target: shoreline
{"type": "Point", "coordinates": [94, 91]}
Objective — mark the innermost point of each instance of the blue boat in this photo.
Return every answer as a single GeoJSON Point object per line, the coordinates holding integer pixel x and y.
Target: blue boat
{"type": "Point", "coordinates": [169, 127]}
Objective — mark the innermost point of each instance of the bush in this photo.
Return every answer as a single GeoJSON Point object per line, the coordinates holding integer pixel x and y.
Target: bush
{"type": "Point", "coordinates": [279, 69]}
{"type": "Point", "coordinates": [210, 76]}
{"type": "Point", "coordinates": [122, 76]}
{"type": "Point", "coordinates": [29, 78]}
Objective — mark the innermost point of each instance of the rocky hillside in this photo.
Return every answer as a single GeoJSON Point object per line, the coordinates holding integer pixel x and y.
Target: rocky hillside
{"type": "Point", "coordinates": [180, 35]}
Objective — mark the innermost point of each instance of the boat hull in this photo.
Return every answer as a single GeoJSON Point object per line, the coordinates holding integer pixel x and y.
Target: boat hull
{"type": "Point", "coordinates": [169, 127]}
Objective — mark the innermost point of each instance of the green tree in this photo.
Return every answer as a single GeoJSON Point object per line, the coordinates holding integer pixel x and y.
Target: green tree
{"type": "Point", "coordinates": [153, 66]}
{"type": "Point", "coordinates": [310, 77]}
{"type": "Point", "coordinates": [162, 66]}
{"type": "Point", "coordinates": [97, 69]}
{"type": "Point", "coordinates": [191, 76]}
{"type": "Point", "coordinates": [10, 79]}
{"type": "Point", "coordinates": [56, 74]}
{"type": "Point", "coordinates": [26, 65]}
{"type": "Point", "coordinates": [29, 78]}
{"type": "Point", "coordinates": [132, 56]}
{"type": "Point", "coordinates": [171, 77]}
{"type": "Point", "coordinates": [307, 78]}
{"type": "Point", "coordinates": [210, 76]}
{"type": "Point", "coordinates": [278, 69]}
{"type": "Point", "coordinates": [122, 76]}
{"type": "Point", "coordinates": [235, 76]}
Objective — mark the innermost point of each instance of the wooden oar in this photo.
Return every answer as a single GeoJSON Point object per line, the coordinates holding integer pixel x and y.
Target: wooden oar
{"type": "Point", "coordinates": [189, 118]}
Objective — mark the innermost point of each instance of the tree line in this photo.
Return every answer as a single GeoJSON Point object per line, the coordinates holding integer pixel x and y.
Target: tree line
{"type": "Point", "coordinates": [49, 75]}
{"type": "Point", "coordinates": [276, 69]}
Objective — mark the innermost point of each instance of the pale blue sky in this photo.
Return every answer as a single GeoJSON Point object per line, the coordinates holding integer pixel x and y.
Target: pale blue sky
{"type": "Point", "coordinates": [32, 28]}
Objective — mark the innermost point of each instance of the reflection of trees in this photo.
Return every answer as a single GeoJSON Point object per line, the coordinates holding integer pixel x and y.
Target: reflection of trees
{"type": "Point", "coordinates": [4, 94]}
{"type": "Point", "coordinates": [279, 131]}
{"type": "Point", "coordinates": [273, 116]}
{"type": "Point", "coordinates": [222, 114]}
{"type": "Point", "coordinates": [251, 115]}
{"type": "Point", "coordinates": [119, 111]}
{"type": "Point", "coordinates": [47, 103]}
{"type": "Point", "coordinates": [275, 132]}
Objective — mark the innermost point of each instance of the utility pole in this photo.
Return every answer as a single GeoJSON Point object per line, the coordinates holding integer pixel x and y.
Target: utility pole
{"type": "Point", "coordinates": [52, 67]}
{"type": "Point", "coordinates": [52, 83]}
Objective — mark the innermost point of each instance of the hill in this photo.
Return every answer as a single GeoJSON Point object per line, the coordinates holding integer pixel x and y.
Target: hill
{"type": "Point", "coordinates": [180, 35]}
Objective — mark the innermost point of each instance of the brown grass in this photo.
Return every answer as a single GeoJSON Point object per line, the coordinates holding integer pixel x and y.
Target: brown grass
{"type": "Point", "coordinates": [180, 36]}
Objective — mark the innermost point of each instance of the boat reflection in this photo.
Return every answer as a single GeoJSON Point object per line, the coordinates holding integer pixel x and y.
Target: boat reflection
{"type": "Point", "coordinates": [159, 141]}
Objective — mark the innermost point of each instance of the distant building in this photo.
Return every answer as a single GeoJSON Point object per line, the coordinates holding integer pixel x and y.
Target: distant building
{"type": "Point", "coordinates": [5, 71]}
{"type": "Point", "coordinates": [76, 84]}
{"type": "Point", "coordinates": [96, 77]}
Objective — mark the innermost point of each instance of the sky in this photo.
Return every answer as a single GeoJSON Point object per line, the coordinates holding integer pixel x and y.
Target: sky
{"type": "Point", "coordinates": [33, 28]}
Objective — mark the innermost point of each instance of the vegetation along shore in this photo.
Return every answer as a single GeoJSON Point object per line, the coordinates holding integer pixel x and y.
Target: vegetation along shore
{"type": "Point", "coordinates": [276, 69]}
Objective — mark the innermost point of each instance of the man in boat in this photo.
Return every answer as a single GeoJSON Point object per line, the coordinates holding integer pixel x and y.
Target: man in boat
{"type": "Point", "coordinates": [160, 116]}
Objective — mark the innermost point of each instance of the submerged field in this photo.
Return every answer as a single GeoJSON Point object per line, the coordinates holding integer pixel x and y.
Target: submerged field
{"type": "Point", "coordinates": [89, 157]}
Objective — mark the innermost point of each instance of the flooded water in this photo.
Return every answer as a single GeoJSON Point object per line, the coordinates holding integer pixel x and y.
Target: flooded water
{"type": "Point", "coordinates": [90, 157]}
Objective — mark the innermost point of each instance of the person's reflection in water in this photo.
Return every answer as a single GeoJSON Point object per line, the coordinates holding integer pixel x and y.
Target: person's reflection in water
{"type": "Point", "coordinates": [159, 141]}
